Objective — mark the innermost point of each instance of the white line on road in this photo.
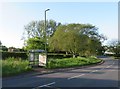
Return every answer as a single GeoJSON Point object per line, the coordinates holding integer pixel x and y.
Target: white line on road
{"type": "Point", "coordinates": [47, 84]}
{"type": "Point", "coordinates": [108, 66]}
{"type": "Point", "coordinates": [75, 76]}
{"type": "Point", "coordinates": [93, 71]}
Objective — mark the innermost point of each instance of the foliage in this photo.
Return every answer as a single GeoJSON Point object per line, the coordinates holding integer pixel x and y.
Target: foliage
{"type": "Point", "coordinates": [3, 48]}
{"type": "Point", "coordinates": [57, 56]}
{"type": "Point", "coordinates": [34, 43]}
{"type": "Point", "coordinates": [34, 33]}
{"type": "Point", "coordinates": [71, 62]}
{"type": "Point", "coordinates": [80, 39]}
{"type": "Point", "coordinates": [114, 47]}
{"type": "Point", "coordinates": [37, 29]}
{"type": "Point", "coordinates": [15, 55]}
{"type": "Point", "coordinates": [76, 39]}
{"type": "Point", "coordinates": [0, 43]}
{"type": "Point", "coordinates": [101, 50]}
{"type": "Point", "coordinates": [13, 66]}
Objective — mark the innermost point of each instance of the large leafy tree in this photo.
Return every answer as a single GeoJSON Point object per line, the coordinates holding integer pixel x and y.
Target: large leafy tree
{"type": "Point", "coordinates": [34, 36]}
{"type": "Point", "coordinates": [80, 39]}
{"type": "Point", "coordinates": [37, 28]}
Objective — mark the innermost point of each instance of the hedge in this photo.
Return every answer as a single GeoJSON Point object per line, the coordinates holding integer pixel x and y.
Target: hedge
{"type": "Point", "coordinates": [14, 54]}
{"type": "Point", "coordinates": [58, 56]}
{"type": "Point", "coordinates": [22, 55]}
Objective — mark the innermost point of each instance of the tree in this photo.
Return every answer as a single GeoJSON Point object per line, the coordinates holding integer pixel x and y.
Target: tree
{"type": "Point", "coordinates": [114, 47]}
{"type": "Point", "coordinates": [76, 39]}
{"type": "Point", "coordinates": [2, 47]}
{"type": "Point", "coordinates": [35, 31]}
{"type": "Point", "coordinates": [37, 28]}
{"type": "Point", "coordinates": [34, 43]}
{"type": "Point", "coordinates": [0, 43]}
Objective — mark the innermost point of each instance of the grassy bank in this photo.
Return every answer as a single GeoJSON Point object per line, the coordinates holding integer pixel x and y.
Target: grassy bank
{"type": "Point", "coordinates": [71, 62]}
{"type": "Point", "coordinates": [14, 66]}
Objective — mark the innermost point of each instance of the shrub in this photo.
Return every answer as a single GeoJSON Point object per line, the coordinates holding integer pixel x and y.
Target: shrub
{"type": "Point", "coordinates": [13, 66]}
{"type": "Point", "coordinates": [70, 62]}
{"type": "Point", "coordinates": [6, 55]}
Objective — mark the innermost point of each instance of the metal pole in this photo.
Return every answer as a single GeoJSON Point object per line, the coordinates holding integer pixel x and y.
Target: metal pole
{"type": "Point", "coordinates": [45, 31]}
{"type": "Point", "coordinates": [46, 34]}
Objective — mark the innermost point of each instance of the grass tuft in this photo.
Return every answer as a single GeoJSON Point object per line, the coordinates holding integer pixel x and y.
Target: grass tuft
{"type": "Point", "coordinates": [71, 62]}
{"type": "Point", "coordinates": [13, 66]}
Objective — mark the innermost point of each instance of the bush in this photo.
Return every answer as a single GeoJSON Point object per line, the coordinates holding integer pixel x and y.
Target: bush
{"type": "Point", "coordinates": [58, 56]}
{"type": "Point", "coordinates": [13, 66]}
{"type": "Point", "coordinates": [22, 55]}
{"type": "Point", "coordinates": [6, 55]}
{"type": "Point", "coordinates": [70, 62]}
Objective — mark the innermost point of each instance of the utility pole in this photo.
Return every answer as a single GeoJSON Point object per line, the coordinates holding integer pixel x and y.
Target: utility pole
{"type": "Point", "coordinates": [45, 33]}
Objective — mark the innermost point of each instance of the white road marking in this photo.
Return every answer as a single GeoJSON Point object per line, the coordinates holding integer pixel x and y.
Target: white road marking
{"type": "Point", "coordinates": [75, 76]}
{"type": "Point", "coordinates": [93, 71]}
{"type": "Point", "coordinates": [47, 85]}
{"type": "Point", "coordinates": [107, 66]}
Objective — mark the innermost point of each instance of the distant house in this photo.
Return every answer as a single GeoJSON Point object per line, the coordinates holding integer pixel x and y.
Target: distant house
{"type": "Point", "coordinates": [12, 49]}
{"type": "Point", "coordinates": [108, 52]}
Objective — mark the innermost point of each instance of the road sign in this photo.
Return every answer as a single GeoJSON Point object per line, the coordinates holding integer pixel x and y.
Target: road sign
{"type": "Point", "coordinates": [42, 59]}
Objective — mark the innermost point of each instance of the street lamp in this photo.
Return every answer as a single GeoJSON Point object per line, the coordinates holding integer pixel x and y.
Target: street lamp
{"type": "Point", "coordinates": [45, 31]}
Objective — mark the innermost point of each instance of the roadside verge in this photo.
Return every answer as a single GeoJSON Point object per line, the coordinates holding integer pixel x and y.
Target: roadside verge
{"type": "Point", "coordinates": [42, 71]}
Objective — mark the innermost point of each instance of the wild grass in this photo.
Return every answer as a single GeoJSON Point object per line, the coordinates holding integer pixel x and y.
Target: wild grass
{"type": "Point", "coordinates": [13, 66]}
{"type": "Point", "coordinates": [71, 62]}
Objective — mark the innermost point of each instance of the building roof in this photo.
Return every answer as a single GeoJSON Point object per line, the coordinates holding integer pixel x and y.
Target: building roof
{"type": "Point", "coordinates": [37, 51]}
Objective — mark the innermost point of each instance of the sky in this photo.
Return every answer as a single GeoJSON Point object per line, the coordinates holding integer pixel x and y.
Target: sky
{"type": "Point", "coordinates": [15, 15]}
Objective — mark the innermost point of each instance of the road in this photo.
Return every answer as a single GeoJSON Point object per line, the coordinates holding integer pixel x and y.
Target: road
{"type": "Point", "coordinates": [105, 75]}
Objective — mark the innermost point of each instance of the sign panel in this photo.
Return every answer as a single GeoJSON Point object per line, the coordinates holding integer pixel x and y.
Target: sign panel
{"type": "Point", "coordinates": [42, 60]}
{"type": "Point", "coordinates": [31, 57]}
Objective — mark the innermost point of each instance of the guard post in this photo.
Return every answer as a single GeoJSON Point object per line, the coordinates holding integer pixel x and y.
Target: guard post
{"type": "Point", "coordinates": [37, 58]}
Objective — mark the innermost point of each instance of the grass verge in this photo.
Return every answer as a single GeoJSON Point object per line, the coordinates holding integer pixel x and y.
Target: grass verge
{"type": "Point", "coordinates": [71, 62]}
{"type": "Point", "coordinates": [116, 57]}
{"type": "Point", "coordinates": [14, 66]}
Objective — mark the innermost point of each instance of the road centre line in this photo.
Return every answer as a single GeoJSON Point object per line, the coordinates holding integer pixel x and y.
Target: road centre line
{"type": "Point", "coordinates": [75, 76]}
{"type": "Point", "coordinates": [47, 84]}
{"type": "Point", "coordinates": [93, 71]}
{"type": "Point", "coordinates": [108, 66]}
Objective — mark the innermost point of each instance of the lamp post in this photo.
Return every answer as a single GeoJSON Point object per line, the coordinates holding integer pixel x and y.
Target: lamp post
{"type": "Point", "coordinates": [45, 32]}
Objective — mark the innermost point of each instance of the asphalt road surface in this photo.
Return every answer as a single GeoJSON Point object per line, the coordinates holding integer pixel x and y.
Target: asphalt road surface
{"type": "Point", "coordinates": [104, 75]}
